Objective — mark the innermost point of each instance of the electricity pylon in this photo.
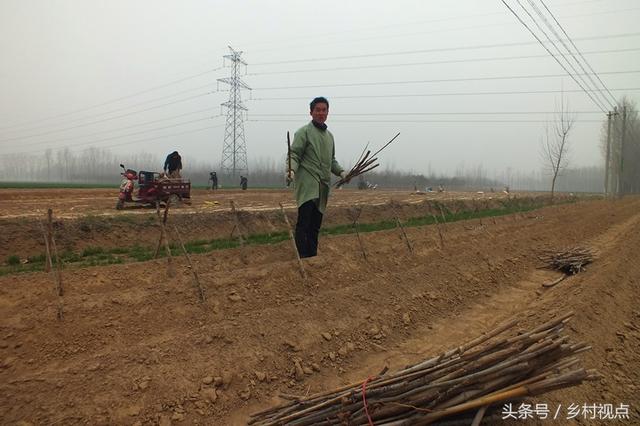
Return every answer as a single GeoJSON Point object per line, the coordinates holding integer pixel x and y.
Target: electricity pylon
{"type": "Point", "coordinates": [234, 150]}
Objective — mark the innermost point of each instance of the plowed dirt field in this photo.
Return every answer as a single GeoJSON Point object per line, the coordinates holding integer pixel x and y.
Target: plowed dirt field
{"type": "Point", "coordinates": [137, 347]}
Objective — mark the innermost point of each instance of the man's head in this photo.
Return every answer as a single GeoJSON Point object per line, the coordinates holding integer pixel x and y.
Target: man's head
{"type": "Point", "coordinates": [319, 109]}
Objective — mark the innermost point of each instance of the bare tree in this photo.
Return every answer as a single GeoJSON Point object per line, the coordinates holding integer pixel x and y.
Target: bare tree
{"type": "Point", "coordinates": [555, 145]}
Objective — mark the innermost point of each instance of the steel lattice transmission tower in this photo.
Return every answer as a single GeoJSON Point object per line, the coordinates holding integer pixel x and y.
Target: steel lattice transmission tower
{"type": "Point", "coordinates": [234, 150]}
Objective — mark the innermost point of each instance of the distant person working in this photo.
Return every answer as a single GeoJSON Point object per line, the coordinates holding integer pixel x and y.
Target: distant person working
{"type": "Point", "coordinates": [213, 177]}
{"type": "Point", "coordinates": [173, 165]}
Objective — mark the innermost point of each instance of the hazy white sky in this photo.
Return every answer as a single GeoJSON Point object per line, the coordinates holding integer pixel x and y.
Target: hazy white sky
{"type": "Point", "coordinates": [127, 75]}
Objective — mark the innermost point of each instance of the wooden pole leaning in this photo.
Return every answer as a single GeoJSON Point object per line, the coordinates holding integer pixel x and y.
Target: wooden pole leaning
{"type": "Point", "coordinates": [49, 244]}
{"type": "Point", "coordinates": [192, 268]}
{"type": "Point", "coordinates": [399, 225]}
{"type": "Point", "coordinates": [241, 240]}
{"type": "Point", "coordinates": [293, 243]}
{"type": "Point", "coordinates": [355, 215]}
{"type": "Point", "coordinates": [164, 239]}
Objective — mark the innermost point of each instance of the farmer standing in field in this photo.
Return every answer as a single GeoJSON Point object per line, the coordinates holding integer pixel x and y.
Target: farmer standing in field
{"type": "Point", "coordinates": [312, 162]}
{"type": "Point", "coordinates": [173, 165]}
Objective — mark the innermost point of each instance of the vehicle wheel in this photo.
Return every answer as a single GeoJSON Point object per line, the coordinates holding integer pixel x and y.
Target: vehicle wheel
{"type": "Point", "coordinates": [120, 205]}
{"type": "Point", "coordinates": [174, 200]}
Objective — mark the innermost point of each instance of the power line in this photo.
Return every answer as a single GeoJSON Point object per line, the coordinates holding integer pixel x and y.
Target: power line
{"type": "Point", "coordinates": [443, 80]}
{"type": "Point", "coordinates": [434, 121]}
{"type": "Point", "coordinates": [165, 136]}
{"type": "Point", "coordinates": [448, 61]}
{"type": "Point", "coordinates": [424, 113]}
{"type": "Point", "coordinates": [422, 33]}
{"type": "Point", "coordinates": [578, 50]}
{"type": "Point", "coordinates": [408, 95]}
{"type": "Point", "coordinates": [105, 119]}
{"type": "Point", "coordinates": [583, 82]}
{"type": "Point", "coordinates": [119, 109]}
{"type": "Point", "coordinates": [164, 119]}
{"type": "Point", "coordinates": [545, 47]}
{"type": "Point", "coordinates": [439, 49]}
{"type": "Point", "coordinates": [130, 142]}
{"type": "Point", "coordinates": [376, 28]}
{"type": "Point", "coordinates": [118, 99]}
{"type": "Point", "coordinates": [541, 15]}
{"type": "Point", "coordinates": [129, 134]}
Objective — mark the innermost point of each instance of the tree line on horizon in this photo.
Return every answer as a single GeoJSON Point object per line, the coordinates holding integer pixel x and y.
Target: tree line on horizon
{"type": "Point", "coordinates": [101, 166]}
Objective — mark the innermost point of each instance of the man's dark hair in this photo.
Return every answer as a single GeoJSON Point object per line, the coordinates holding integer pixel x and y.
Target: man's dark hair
{"type": "Point", "coordinates": [318, 100]}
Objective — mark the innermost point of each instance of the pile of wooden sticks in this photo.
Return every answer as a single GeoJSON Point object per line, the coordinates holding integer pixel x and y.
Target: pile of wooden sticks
{"type": "Point", "coordinates": [365, 163]}
{"type": "Point", "coordinates": [570, 261]}
{"type": "Point", "coordinates": [465, 381]}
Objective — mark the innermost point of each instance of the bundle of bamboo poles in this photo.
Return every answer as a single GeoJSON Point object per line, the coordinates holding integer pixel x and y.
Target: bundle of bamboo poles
{"type": "Point", "coordinates": [570, 261]}
{"type": "Point", "coordinates": [486, 372]}
{"type": "Point", "coordinates": [365, 163]}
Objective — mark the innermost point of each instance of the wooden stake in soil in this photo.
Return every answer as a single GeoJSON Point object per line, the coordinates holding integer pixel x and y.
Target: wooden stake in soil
{"type": "Point", "coordinates": [435, 219]}
{"type": "Point", "coordinates": [236, 217]}
{"type": "Point", "coordinates": [164, 238]}
{"type": "Point", "coordinates": [52, 240]}
{"type": "Point", "coordinates": [444, 220]}
{"type": "Point", "coordinates": [399, 225]}
{"type": "Point", "coordinates": [157, 251]}
{"type": "Point", "coordinates": [192, 268]}
{"type": "Point", "coordinates": [293, 242]}
{"type": "Point", "coordinates": [355, 214]}
{"type": "Point", "coordinates": [50, 268]}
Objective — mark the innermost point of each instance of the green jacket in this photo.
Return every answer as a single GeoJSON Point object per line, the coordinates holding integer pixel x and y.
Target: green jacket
{"type": "Point", "coordinates": [313, 159]}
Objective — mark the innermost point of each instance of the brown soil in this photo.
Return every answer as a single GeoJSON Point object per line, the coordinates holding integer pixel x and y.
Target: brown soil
{"type": "Point", "coordinates": [80, 223]}
{"type": "Point", "coordinates": [136, 347]}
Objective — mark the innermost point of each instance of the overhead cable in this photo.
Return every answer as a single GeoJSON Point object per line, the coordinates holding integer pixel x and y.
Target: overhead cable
{"type": "Point", "coordinates": [419, 95]}
{"type": "Point", "coordinates": [578, 78]}
{"type": "Point", "coordinates": [441, 80]}
{"type": "Point", "coordinates": [448, 61]}
{"type": "Point", "coordinates": [439, 49]}
{"type": "Point", "coordinates": [104, 119]}
{"type": "Point", "coordinates": [170, 83]}
{"type": "Point", "coordinates": [578, 50]}
{"type": "Point", "coordinates": [547, 49]}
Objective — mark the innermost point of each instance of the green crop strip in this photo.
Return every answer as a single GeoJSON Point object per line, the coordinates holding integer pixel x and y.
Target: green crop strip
{"type": "Point", "coordinates": [92, 255]}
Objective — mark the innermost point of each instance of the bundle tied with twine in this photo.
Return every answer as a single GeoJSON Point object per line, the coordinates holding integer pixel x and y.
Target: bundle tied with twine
{"type": "Point", "coordinates": [570, 261]}
{"type": "Point", "coordinates": [485, 372]}
{"type": "Point", "coordinates": [365, 163]}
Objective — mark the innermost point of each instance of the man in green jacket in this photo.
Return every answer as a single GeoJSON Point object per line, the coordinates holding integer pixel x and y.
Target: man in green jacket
{"type": "Point", "coordinates": [313, 160]}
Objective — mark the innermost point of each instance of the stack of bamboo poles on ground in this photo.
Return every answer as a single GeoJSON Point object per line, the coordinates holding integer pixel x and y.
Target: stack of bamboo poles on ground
{"type": "Point", "coordinates": [570, 261]}
{"type": "Point", "coordinates": [365, 163]}
{"type": "Point", "coordinates": [464, 381]}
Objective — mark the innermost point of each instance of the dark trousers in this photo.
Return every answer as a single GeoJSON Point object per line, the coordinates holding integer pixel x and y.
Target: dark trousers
{"type": "Point", "coordinates": [308, 228]}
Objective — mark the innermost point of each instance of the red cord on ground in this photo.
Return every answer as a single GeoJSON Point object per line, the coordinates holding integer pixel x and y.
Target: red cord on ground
{"type": "Point", "coordinates": [364, 400]}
